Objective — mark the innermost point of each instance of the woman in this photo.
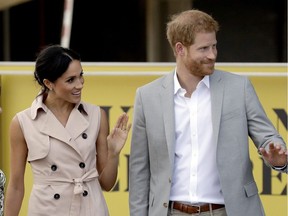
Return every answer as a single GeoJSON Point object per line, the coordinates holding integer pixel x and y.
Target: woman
{"type": "Point", "coordinates": [66, 142]}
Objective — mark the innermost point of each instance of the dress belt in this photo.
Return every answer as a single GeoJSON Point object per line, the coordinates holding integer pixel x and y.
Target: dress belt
{"type": "Point", "coordinates": [194, 209]}
{"type": "Point", "coordinates": [78, 187]}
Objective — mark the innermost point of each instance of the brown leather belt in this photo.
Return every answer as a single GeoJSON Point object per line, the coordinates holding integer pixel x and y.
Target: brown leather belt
{"type": "Point", "coordinates": [194, 209]}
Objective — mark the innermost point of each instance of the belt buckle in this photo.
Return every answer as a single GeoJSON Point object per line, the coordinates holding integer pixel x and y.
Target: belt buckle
{"type": "Point", "coordinates": [198, 209]}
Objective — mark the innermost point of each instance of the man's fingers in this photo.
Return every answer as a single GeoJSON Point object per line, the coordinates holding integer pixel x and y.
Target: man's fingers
{"type": "Point", "coordinates": [263, 151]}
{"type": "Point", "coordinates": [271, 146]}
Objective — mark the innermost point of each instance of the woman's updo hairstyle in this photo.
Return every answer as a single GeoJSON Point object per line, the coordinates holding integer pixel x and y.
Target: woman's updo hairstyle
{"type": "Point", "coordinates": [51, 63]}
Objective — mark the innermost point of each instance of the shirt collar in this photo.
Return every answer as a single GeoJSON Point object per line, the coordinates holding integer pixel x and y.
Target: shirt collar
{"type": "Point", "coordinates": [177, 86]}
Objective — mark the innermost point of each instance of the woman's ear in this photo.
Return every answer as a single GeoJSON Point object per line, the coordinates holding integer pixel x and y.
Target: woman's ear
{"type": "Point", "coordinates": [48, 84]}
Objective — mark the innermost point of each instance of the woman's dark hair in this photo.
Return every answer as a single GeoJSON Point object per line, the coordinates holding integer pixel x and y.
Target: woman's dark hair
{"type": "Point", "coordinates": [51, 63]}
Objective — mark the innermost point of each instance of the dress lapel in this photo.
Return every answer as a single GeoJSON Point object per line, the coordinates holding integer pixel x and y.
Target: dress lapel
{"type": "Point", "coordinates": [52, 127]}
{"type": "Point", "coordinates": [76, 123]}
{"type": "Point", "coordinates": [75, 126]}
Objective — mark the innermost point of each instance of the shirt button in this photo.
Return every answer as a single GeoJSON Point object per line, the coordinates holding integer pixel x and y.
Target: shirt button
{"type": "Point", "coordinates": [82, 165]}
{"type": "Point", "coordinates": [165, 205]}
{"type": "Point", "coordinates": [53, 167]}
{"type": "Point", "coordinates": [56, 196]}
{"type": "Point", "coordinates": [84, 136]}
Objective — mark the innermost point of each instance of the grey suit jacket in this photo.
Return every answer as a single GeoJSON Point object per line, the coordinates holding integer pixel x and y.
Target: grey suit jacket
{"type": "Point", "coordinates": [236, 115]}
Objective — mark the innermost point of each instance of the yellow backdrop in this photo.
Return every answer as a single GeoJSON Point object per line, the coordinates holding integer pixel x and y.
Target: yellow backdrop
{"type": "Point", "coordinates": [113, 86]}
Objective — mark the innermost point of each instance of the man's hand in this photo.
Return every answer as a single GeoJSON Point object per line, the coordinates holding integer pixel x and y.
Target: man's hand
{"type": "Point", "coordinates": [276, 155]}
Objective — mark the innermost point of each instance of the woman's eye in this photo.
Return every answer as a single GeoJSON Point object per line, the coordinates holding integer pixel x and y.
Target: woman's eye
{"type": "Point", "coordinates": [70, 80]}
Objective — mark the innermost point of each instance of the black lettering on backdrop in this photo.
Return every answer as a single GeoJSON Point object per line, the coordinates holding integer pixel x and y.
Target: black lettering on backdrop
{"type": "Point", "coordinates": [282, 116]}
{"type": "Point", "coordinates": [127, 158]}
{"type": "Point", "coordinates": [107, 109]}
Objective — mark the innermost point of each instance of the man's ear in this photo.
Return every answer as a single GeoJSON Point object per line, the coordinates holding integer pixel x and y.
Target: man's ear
{"type": "Point", "coordinates": [179, 48]}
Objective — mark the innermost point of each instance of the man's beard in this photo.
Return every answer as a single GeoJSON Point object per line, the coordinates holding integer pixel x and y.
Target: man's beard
{"type": "Point", "coordinates": [200, 68]}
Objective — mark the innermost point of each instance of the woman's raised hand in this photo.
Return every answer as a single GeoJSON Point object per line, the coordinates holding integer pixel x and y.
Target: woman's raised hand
{"type": "Point", "coordinates": [118, 136]}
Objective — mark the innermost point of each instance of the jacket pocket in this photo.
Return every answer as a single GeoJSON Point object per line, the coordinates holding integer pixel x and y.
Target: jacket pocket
{"type": "Point", "coordinates": [251, 189]}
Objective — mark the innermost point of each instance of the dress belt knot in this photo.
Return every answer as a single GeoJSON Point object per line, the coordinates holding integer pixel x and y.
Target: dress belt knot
{"type": "Point", "coordinates": [78, 188]}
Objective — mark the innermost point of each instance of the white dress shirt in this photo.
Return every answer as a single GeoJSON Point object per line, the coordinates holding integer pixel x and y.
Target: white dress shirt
{"type": "Point", "coordinates": [195, 177]}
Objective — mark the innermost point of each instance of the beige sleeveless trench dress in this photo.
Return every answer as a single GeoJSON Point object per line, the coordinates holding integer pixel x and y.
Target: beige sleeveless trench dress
{"type": "Point", "coordinates": [63, 161]}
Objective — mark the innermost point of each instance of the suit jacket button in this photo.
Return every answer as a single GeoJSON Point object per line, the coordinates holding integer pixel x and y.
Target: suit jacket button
{"type": "Point", "coordinates": [82, 165]}
{"type": "Point", "coordinates": [84, 136]}
{"type": "Point", "coordinates": [53, 167]}
{"type": "Point", "coordinates": [56, 196]}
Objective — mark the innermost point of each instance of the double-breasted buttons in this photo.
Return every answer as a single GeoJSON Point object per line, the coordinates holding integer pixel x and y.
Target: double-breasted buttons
{"type": "Point", "coordinates": [84, 135]}
{"type": "Point", "coordinates": [82, 165]}
{"type": "Point", "coordinates": [53, 167]}
{"type": "Point", "coordinates": [56, 196]}
{"type": "Point", "coordinates": [85, 193]}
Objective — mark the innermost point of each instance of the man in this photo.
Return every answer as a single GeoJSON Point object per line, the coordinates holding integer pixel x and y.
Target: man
{"type": "Point", "coordinates": [189, 150]}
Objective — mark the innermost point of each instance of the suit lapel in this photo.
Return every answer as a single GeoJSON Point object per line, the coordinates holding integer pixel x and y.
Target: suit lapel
{"type": "Point", "coordinates": [167, 106]}
{"type": "Point", "coordinates": [217, 88]}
